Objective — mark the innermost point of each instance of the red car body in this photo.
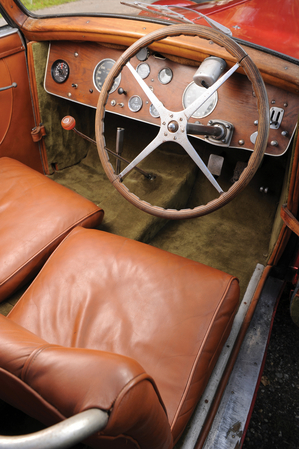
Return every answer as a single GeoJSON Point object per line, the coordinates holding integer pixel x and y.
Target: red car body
{"type": "Point", "coordinates": [250, 20]}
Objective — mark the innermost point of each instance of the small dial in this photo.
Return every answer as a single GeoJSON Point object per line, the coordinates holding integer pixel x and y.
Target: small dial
{"type": "Point", "coordinates": [135, 103]}
{"type": "Point", "coordinates": [143, 54]}
{"type": "Point", "coordinates": [192, 92]}
{"type": "Point", "coordinates": [153, 111]}
{"type": "Point", "coordinates": [165, 75]}
{"type": "Point", "coordinates": [60, 71]}
{"type": "Point", "coordinates": [143, 70]}
{"type": "Point", "coordinates": [101, 72]}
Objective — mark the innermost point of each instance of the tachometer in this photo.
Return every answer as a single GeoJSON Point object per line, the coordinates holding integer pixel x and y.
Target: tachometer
{"type": "Point", "coordinates": [192, 92]}
{"type": "Point", "coordinates": [60, 71]}
{"type": "Point", "coordinates": [101, 72]}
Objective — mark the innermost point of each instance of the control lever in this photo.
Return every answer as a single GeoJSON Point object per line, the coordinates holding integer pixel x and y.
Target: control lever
{"type": "Point", "coordinates": [68, 123]}
{"type": "Point", "coordinates": [205, 130]}
{"type": "Point", "coordinates": [120, 132]}
{"type": "Point", "coordinates": [219, 132]}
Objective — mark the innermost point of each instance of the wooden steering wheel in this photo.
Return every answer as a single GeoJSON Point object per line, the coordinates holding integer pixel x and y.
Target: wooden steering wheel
{"type": "Point", "coordinates": [174, 124]}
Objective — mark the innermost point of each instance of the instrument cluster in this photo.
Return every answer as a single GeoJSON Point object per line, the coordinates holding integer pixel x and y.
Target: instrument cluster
{"type": "Point", "coordinates": [77, 72]}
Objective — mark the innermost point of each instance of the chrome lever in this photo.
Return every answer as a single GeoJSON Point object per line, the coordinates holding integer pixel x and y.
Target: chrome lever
{"type": "Point", "coordinates": [8, 87]}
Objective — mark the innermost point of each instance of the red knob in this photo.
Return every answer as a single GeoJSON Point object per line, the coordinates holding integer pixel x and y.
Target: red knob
{"type": "Point", "coordinates": [68, 122]}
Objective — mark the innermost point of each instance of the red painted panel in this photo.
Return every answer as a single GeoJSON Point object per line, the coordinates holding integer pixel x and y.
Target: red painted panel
{"type": "Point", "coordinates": [270, 23]}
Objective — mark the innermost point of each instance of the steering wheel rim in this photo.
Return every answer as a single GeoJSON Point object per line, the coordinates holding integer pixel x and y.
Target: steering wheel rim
{"type": "Point", "coordinates": [256, 157]}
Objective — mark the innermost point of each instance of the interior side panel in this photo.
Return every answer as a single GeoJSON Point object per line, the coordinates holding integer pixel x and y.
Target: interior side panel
{"type": "Point", "coordinates": [16, 114]}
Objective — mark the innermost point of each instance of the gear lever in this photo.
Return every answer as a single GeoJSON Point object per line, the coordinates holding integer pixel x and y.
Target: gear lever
{"type": "Point", "coordinates": [68, 123]}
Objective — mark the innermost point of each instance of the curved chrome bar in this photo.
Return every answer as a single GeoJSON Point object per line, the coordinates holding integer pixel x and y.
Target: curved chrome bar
{"type": "Point", "coordinates": [62, 435]}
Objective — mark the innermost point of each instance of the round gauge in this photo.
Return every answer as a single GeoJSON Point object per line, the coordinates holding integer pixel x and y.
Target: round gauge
{"type": "Point", "coordinates": [143, 70]}
{"type": "Point", "coordinates": [153, 111]}
{"type": "Point", "coordinates": [192, 92]}
{"type": "Point", "coordinates": [60, 71]}
{"type": "Point", "coordinates": [135, 103]}
{"type": "Point", "coordinates": [101, 72]}
{"type": "Point", "coordinates": [165, 75]}
{"type": "Point", "coordinates": [143, 54]}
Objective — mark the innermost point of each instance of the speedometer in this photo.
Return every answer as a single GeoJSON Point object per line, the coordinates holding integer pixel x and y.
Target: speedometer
{"type": "Point", "coordinates": [192, 92]}
{"type": "Point", "coordinates": [101, 72]}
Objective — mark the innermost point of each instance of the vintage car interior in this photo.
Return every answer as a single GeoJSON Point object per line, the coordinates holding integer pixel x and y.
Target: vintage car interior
{"type": "Point", "coordinates": [177, 145]}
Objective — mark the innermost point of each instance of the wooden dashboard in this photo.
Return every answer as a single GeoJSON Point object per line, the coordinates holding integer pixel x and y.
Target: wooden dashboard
{"type": "Point", "coordinates": [74, 69]}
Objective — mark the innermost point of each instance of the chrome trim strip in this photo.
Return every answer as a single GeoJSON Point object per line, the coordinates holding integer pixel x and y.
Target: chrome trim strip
{"type": "Point", "coordinates": [203, 407]}
{"type": "Point", "coordinates": [229, 426]}
{"type": "Point", "coordinates": [7, 31]}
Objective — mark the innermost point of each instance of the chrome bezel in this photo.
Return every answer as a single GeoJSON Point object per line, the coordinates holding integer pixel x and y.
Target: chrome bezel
{"type": "Point", "coordinates": [152, 113]}
{"type": "Point", "coordinates": [159, 75]}
{"type": "Point", "coordinates": [54, 66]}
{"type": "Point", "coordinates": [116, 81]}
{"type": "Point", "coordinates": [140, 103]}
{"type": "Point", "coordinates": [148, 67]}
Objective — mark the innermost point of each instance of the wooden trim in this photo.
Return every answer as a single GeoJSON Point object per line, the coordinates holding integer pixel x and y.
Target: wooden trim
{"type": "Point", "coordinates": [112, 30]}
{"type": "Point", "coordinates": [292, 205]}
{"type": "Point", "coordinates": [31, 70]}
{"type": "Point", "coordinates": [289, 219]}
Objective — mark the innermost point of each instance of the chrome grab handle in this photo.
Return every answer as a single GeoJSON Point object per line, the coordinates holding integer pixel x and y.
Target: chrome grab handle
{"type": "Point", "coordinates": [8, 87]}
{"type": "Point", "coordinates": [62, 435]}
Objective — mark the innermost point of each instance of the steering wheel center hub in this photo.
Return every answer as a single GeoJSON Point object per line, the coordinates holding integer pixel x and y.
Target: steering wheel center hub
{"type": "Point", "coordinates": [173, 126]}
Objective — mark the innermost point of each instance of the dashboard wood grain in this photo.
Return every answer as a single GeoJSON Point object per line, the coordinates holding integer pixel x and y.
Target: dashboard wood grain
{"type": "Point", "coordinates": [236, 100]}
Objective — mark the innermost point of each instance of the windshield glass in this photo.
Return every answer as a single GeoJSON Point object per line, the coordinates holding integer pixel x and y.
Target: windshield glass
{"type": "Point", "coordinates": [49, 7]}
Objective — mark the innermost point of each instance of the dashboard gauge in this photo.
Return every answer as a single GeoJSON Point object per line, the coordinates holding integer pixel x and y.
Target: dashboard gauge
{"type": "Point", "coordinates": [143, 70]}
{"type": "Point", "coordinates": [101, 72]}
{"type": "Point", "coordinates": [135, 103]}
{"type": "Point", "coordinates": [60, 71]}
{"type": "Point", "coordinates": [165, 75]}
{"type": "Point", "coordinates": [143, 54]}
{"type": "Point", "coordinates": [153, 111]}
{"type": "Point", "coordinates": [192, 92]}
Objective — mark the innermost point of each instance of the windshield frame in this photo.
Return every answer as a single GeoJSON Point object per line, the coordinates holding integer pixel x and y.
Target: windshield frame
{"type": "Point", "coordinates": [25, 14]}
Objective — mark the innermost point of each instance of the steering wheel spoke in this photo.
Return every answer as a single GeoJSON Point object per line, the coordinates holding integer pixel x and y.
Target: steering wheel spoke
{"type": "Point", "coordinates": [144, 153]}
{"type": "Point", "coordinates": [148, 92]}
{"type": "Point", "coordinates": [199, 162]}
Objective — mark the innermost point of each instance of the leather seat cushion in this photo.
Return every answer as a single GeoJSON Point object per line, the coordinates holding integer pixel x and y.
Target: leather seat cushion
{"type": "Point", "coordinates": [35, 215]}
{"type": "Point", "coordinates": [108, 293]}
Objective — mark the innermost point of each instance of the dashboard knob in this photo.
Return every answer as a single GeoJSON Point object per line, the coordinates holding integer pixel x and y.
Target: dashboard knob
{"type": "Point", "coordinates": [68, 123]}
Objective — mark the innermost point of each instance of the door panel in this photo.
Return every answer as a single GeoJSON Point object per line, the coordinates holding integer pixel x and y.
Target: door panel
{"type": "Point", "coordinates": [16, 112]}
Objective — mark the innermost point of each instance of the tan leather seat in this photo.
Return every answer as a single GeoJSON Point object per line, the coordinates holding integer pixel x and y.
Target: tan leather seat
{"type": "Point", "coordinates": [35, 215]}
{"type": "Point", "coordinates": [118, 325]}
